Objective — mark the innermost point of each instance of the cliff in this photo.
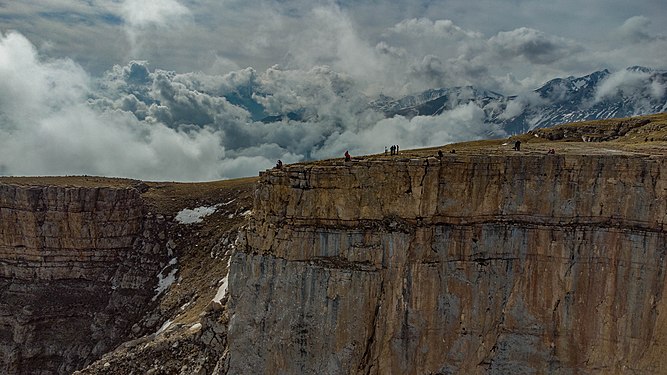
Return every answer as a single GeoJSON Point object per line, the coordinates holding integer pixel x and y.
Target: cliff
{"type": "Point", "coordinates": [486, 260]}
{"type": "Point", "coordinates": [91, 266]}
{"type": "Point", "coordinates": [75, 267]}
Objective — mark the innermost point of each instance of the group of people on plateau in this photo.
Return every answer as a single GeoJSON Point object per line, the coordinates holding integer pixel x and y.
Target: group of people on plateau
{"type": "Point", "coordinates": [393, 148]}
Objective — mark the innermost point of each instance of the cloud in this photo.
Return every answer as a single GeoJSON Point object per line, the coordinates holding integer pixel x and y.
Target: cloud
{"type": "Point", "coordinates": [143, 120]}
{"type": "Point", "coordinates": [424, 27]}
{"type": "Point", "coordinates": [153, 13]}
{"type": "Point", "coordinates": [147, 20]}
{"type": "Point", "coordinates": [463, 122]}
{"type": "Point", "coordinates": [48, 127]}
{"type": "Point", "coordinates": [161, 125]}
{"type": "Point", "coordinates": [515, 107]}
{"type": "Point", "coordinates": [636, 29]}
{"type": "Point", "coordinates": [533, 45]}
{"type": "Point", "coordinates": [632, 82]}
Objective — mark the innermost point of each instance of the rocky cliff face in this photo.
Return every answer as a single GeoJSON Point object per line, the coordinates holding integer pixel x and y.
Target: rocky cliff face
{"type": "Point", "coordinates": [512, 263]}
{"type": "Point", "coordinates": [77, 267]}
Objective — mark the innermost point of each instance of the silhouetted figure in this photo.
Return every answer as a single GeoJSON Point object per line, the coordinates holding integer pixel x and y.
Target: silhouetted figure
{"type": "Point", "coordinates": [396, 149]}
{"type": "Point", "coordinates": [347, 156]}
{"type": "Point", "coordinates": [551, 151]}
{"type": "Point", "coordinates": [452, 152]}
{"type": "Point", "coordinates": [517, 146]}
{"type": "Point", "coordinates": [279, 164]}
{"type": "Point", "coordinates": [385, 150]}
{"type": "Point", "coordinates": [440, 154]}
{"type": "Point", "coordinates": [393, 149]}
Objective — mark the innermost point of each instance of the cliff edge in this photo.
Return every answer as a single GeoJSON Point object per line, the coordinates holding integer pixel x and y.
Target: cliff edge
{"type": "Point", "coordinates": [485, 260]}
{"type": "Point", "coordinates": [471, 258]}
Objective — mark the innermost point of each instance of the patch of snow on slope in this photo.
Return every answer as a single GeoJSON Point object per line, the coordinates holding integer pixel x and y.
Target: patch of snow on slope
{"type": "Point", "coordinates": [195, 215]}
{"type": "Point", "coordinates": [222, 291]}
{"type": "Point", "coordinates": [164, 282]}
{"type": "Point", "coordinates": [163, 328]}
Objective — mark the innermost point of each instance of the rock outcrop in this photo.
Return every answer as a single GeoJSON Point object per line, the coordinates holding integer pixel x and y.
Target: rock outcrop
{"type": "Point", "coordinates": [512, 263]}
{"type": "Point", "coordinates": [77, 268]}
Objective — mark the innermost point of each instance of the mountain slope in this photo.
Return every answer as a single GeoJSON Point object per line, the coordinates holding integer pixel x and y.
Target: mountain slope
{"type": "Point", "coordinates": [600, 95]}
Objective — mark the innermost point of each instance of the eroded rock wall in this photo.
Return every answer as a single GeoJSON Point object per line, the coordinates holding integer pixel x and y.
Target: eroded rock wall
{"type": "Point", "coordinates": [77, 265]}
{"type": "Point", "coordinates": [469, 264]}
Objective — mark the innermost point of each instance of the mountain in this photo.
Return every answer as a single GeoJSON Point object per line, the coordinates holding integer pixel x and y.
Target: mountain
{"type": "Point", "coordinates": [599, 95]}
{"type": "Point", "coordinates": [435, 101]}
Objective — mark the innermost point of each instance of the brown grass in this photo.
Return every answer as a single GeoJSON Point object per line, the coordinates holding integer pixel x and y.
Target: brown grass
{"type": "Point", "coordinates": [73, 181]}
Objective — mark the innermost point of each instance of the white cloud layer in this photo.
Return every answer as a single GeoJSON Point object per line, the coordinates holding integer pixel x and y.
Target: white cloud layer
{"type": "Point", "coordinates": [157, 89]}
{"type": "Point", "coordinates": [161, 125]}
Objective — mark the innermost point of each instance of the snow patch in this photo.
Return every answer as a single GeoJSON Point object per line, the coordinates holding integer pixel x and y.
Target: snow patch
{"type": "Point", "coordinates": [222, 291]}
{"type": "Point", "coordinates": [163, 328]}
{"type": "Point", "coordinates": [164, 282]}
{"type": "Point", "coordinates": [195, 215]}
{"type": "Point", "coordinates": [225, 204]}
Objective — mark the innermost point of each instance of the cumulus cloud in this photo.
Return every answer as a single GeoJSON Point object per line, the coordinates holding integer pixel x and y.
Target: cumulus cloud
{"type": "Point", "coordinates": [48, 128]}
{"type": "Point", "coordinates": [632, 82]}
{"type": "Point", "coordinates": [516, 107]}
{"type": "Point", "coordinates": [533, 45]}
{"type": "Point", "coordinates": [636, 29]}
{"type": "Point", "coordinates": [156, 124]}
{"type": "Point", "coordinates": [234, 85]}
{"type": "Point", "coordinates": [144, 18]}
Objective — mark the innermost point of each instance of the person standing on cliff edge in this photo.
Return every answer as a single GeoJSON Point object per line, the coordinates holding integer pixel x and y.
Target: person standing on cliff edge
{"type": "Point", "coordinates": [347, 156]}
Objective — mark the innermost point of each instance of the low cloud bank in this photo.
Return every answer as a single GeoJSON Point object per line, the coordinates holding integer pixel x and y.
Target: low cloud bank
{"type": "Point", "coordinates": [159, 125]}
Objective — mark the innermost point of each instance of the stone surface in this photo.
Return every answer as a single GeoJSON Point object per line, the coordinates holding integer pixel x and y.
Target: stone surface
{"type": "Point", "coordinates": [77, 267]}
{"type": "Point", "coordinates": [526, 263]}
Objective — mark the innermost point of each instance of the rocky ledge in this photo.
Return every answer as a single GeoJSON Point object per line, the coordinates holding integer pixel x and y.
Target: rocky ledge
{"type": "Point", "coordinates": [507, 262]}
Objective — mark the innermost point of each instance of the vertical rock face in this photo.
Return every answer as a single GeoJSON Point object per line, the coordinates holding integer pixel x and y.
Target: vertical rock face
{"type": "Point", "coordinates": [469, 264]}
{"type": "Point", "coordinates": [76, 267]}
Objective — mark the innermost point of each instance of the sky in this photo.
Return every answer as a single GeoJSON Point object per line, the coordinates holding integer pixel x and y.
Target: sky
{"type": "Point", "coordinates": [136, 88]}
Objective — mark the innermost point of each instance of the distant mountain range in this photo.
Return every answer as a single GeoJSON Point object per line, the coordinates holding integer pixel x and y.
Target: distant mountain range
{"type": "Point", "coordinates": [600, 95]}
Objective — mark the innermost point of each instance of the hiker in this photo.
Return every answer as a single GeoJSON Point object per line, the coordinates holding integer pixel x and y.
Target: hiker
{"type": "Point", "coordinates": [440, 154]}
{"type": "Point", "coordinates": [396, 149]}
{"type": "Point", "coordinates": [347, 156]}
{"type": "Point", "coordinates": [517, 146]}
{"type": "Point", "coordinates": [279, 164]}
{"type": "Point", "coordinates": [385, 150]}
{"type": "Point", "coordinates": [393, 149]}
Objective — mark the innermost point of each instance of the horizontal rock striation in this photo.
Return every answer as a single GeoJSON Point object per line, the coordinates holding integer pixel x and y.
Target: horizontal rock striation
{"type": "Point", "coordinates": [465, 264]}
{"type": "Point", "coordinates": [77, 265]}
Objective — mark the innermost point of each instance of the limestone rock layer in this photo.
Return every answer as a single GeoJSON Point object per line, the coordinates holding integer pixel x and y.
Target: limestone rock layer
{"type": "Point", "coordinates": [77, 265]}
{"type": "Point", "coordinates": [466, 264]}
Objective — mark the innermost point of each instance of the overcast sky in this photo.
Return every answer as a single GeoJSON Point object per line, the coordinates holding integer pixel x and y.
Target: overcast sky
{"type": "Point", "coordinates": [71, 93]}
